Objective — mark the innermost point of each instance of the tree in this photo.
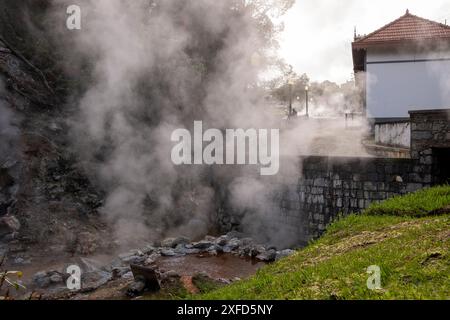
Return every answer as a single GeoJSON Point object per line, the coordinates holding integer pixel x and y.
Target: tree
{"type": "Point", "coordinates": [289, 85]}
{"type": "Point", "coordinates": [36, 29]}
{"type": "Point", "coordinates": [327, 98]}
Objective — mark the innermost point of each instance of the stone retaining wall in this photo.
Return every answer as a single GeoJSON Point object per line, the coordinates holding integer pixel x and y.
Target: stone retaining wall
{"type": "Point", "coordinates": [330, 186]}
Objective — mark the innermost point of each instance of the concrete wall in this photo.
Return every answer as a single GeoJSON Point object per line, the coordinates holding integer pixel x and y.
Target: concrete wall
{"type": "Point", "coordinates": [395, 134]}
{"type": "Point", "coordinates": [403, 80]}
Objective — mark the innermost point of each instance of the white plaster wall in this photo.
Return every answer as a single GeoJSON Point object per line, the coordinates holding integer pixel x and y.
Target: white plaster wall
{"type": "Point", "coordinates": [393, 89]}
{"type": "Point", "coordinates": [396, 134]}
{"type": "Point", "coordinates": [405, 54]}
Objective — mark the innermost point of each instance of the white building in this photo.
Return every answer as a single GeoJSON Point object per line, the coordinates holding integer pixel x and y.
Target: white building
{"type": "Point", "coordinates": [404, 66]}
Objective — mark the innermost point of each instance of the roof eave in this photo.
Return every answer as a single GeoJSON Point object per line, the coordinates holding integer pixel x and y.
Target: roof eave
{"type": "Point", "coordinates": [418, 42]}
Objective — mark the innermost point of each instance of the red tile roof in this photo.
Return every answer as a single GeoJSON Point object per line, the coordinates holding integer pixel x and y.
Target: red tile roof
{"type": "Point", "coordinates": [406, 28]}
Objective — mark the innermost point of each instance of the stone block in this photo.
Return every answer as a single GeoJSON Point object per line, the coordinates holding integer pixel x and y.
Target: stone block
{"type": "Point", "coordinates": [361, 204]}
{"type": "Point", "coordinates": [413, 187]}
{"type": "Point", "coordinates": [320, 182]}
{"type": "Point", "coordinates": [337, 183]}
{"type": "Point", "coordinates": [370, 186]}
{"type": "Point", "coordinates": [421, 135]}
{"type": "Point", "coordinates": [426, 160]}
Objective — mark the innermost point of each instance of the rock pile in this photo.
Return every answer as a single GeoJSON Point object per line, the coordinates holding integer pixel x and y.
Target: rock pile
{"type": "Point", "coordinates": [138, 266]}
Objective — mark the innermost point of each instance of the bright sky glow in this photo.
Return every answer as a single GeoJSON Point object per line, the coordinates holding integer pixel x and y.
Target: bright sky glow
{"type": "Point", "coordinates": [318, 33]}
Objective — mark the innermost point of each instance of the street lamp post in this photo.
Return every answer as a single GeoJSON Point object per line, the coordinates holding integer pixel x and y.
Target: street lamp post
{"type": "Point", "coordinates": [307, 101]}
{"type": "Point", "coordinates": [291, 83]}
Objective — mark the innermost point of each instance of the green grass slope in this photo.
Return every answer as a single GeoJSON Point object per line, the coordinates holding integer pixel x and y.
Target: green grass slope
{"type": "Point", "coordinates": [407, 237]}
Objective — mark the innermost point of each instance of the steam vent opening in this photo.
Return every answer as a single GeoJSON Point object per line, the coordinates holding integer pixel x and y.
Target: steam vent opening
{"type": "Point", "coordinates": [441, 166]}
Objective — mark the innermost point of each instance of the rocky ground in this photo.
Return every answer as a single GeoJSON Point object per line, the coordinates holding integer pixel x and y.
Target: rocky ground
{"type": "Point", "coordinates": [142, 271]}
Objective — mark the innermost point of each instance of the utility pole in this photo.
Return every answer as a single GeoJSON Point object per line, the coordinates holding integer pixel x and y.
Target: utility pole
{"type": "Point", "coordinates": [290, 80]}
{"type": "Point", "coordinates": [290, 99]}
{"type": "Point", "coordinates": [307, 101]}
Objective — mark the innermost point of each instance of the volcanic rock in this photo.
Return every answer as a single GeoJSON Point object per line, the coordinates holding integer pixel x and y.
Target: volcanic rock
{"type": "Point", "coordinates": [147, 275]}
{"type": "Point", "coordinates": [267, 256]}
{"type": "Point", "coordinates": [8, 225]}
{"type": "Point", "coordinates": [203, 245]}
{"type": "Point", "coordinates": [135, 288]}
{"type": "Point", "coordinates": [174, 242]}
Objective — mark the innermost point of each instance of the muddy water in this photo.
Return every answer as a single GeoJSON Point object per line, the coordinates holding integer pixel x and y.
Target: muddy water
{"type": "Point", "coordinates": [50, 263]}
{"type": "Point", "coordinates": [223, 266]}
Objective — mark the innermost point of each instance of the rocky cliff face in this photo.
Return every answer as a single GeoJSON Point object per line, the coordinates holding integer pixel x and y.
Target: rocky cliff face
{"type": "Point", "coordinates": [46, 201]}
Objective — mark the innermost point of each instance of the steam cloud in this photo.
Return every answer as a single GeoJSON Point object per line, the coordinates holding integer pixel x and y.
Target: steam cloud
{"type": "Point", "coordinates": [149, 61]}
{"type": "Point", "coordinates": [146, 84]}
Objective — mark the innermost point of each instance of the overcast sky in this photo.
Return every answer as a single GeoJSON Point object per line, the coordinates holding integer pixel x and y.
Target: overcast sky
{"type": "Point", "coordinates": [318, 33]}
